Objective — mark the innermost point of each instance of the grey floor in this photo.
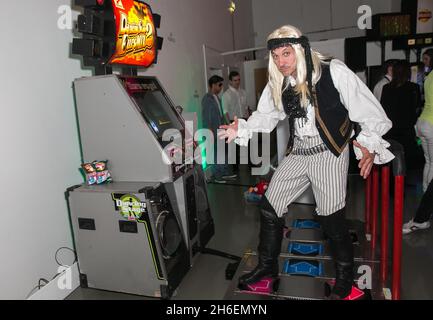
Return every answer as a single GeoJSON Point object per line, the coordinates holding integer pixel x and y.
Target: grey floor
{"type": "Point", "coordinates": [236, 230]}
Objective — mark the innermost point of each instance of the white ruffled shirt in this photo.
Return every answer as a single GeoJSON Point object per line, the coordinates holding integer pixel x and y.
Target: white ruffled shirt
{"type": "Point", "coordinates": [360, 102]}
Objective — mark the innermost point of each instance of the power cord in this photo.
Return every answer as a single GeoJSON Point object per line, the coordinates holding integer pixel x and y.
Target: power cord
{"type": "Point", "coordinates": [40, 284]}
{"type": "Point", "coordinates": [65, 248]}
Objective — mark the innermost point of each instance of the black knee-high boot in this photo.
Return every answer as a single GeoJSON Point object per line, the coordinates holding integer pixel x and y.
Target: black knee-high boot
{"type": "Point", "coordinates": [271, 235]}
{"type": "Point", "coordinates": [335, 227]}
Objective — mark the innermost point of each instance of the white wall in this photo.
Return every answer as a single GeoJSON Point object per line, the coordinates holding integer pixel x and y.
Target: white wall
{"type": "Point", "coordinates": [40, 149]}
{"type": "Point", "coordinates": [180, 63]}
{"type": "Point", "coordinates": [319, 19]}
{"type": "Point", "coordinates": [40, 152]}
{"type": "Point", "coordinates": [324, 19]}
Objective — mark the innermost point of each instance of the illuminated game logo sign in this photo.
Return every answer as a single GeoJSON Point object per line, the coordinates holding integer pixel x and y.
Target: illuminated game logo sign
{"type": "Point", "coordinates": [135, 34]}
{"type": "Point", "coordinates": [117, 32]}
{"type": "Point", "coordinates": [424, 15]}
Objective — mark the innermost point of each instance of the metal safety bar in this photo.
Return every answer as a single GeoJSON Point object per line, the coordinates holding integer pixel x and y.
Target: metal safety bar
{"type": "Point", "coordinates": [371, 214]}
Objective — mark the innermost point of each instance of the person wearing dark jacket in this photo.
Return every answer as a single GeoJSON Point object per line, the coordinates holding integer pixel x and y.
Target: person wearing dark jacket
{"type": "Point", "coordinates": [213, 117]}
{"type": "Point", "coordinates": [401, 99]}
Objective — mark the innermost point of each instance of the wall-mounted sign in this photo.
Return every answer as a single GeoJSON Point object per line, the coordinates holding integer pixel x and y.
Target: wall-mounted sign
{"type": "Point", "coordinates": [135, 34]}
{"type": "Point", "coordinates": [117, 32]}
{"type": "Point", "coordinates": [424, 16]}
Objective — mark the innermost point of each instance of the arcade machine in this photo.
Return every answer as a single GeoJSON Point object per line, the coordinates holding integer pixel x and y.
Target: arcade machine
{"type": "Point", "coordinates": [139, 234]}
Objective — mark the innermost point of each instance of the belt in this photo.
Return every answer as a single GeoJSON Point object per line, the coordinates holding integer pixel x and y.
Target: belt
{"type": "Point", "coordinates": [310, 151]}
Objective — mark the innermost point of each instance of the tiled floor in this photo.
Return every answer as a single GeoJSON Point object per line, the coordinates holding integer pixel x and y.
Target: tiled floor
{"type": "Point", "coordinates": [236, 229]}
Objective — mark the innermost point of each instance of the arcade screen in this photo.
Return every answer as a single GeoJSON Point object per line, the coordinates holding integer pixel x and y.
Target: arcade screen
{"type": "Point", "coordinates": [153, 103]}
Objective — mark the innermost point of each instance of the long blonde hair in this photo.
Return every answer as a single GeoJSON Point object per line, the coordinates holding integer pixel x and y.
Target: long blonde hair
{"type": "Point", "coordinates": [276, 79]}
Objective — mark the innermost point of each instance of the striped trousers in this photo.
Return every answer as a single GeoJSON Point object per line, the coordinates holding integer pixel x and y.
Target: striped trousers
{"type": "Point", "coordinates": [309, 164]}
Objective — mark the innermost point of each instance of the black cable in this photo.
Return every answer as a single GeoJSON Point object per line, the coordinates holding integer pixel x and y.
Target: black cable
{"type": "Point", "coordinates": [57, 274]}
{"type": "Point", "coordinates": [220, 254]}
{"type": "Point", "coordinates": [31, 292]}
{"type": "Point", "coordinates": [63, 265]}
{"type": "Point", "coordinates": [229, 184]}
{"type": "Point", "coordinates": [44, 280]}
{"type": "Point", "coordinates": [41, 285]}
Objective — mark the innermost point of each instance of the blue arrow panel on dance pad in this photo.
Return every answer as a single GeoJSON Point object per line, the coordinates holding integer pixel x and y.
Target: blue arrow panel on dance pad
{"type": "Point", "coordinates": [303, 267]}
{"type": "Point", "coordinates": [305, 224]}
{"type": "Point", "coordinates": [305, 249]}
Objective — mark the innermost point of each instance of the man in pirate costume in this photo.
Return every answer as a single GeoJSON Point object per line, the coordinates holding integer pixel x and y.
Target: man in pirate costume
{"type": "Point", "coordinates": [321, 99]}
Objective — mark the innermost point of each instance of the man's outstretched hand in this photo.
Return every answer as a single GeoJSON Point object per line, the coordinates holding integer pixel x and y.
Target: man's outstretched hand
{"type": "Point", "coordinates": [230, 131]}
{"type": "Point", "coordinates": [367, 160]}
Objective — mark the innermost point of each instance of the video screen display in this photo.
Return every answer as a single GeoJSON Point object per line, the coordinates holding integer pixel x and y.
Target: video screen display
{"type": "Point", "coordinates": [153, 103]}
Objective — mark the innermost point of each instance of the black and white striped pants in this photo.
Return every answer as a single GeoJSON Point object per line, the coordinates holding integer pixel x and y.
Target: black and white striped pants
{"type": "Point", "coordinates": [326, 173]}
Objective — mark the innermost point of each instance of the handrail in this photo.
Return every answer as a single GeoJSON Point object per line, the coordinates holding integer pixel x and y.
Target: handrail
{"type": "Point", "coordinates": [371, 214]}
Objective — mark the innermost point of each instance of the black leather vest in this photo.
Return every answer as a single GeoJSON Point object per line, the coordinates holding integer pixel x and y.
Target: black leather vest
{"type": "Point", "coordinates": [332, 118]}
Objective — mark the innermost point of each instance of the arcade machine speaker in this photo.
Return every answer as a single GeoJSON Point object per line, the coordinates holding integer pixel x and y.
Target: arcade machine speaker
{"type": "Point", "coordinates": [128, 238]}
{"type": "Point", "coordinates": [205, 221]}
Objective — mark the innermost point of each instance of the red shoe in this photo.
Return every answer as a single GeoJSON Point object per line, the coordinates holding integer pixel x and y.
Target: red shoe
{"type": "Point", "coordinates": [264, 286]}
{"type": "Point", "coordinates": [355, 294]}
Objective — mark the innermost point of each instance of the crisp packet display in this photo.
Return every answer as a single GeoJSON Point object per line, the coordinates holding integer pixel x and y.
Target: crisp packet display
{"type": "Point", "coordinates": [96, 172]}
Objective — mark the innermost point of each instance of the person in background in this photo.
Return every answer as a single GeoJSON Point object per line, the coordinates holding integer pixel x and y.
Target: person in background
{"type": "Point", "coordinates": [213, 118]}
{"type": "Point", "coordinates": [235, 98]}
{"type": "Point", "coordinates": [424, 128]}
{"type": "Point", "coordinates": [424, 69]}
{"type": "Point", "coordinates": [401, 99]}
{"type": "Point", "coordinates": [235, 105]}
{"type": "Point", "coordinates": [420, 77]}
{"type": "Point", "coordinates": [387, 78]}
{"type": "Point", "coordinates": [423, 214]}
{"type": "Point", "coordinates": [427, 60]}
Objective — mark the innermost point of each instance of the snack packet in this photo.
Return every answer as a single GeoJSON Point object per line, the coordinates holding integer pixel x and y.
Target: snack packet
{"type": "Point", "coordinates": [96, 172]}
{"type": "Point", "coordinates": [90, 172]}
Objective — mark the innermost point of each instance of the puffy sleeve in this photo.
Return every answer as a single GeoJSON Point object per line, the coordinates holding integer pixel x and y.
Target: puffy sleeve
{"type": "Point", "coordinates": [265, 119]}
{"type": "Point", "coordinates": [364, 109]}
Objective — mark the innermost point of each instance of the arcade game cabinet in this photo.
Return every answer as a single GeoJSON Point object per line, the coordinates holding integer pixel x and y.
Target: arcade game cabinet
{"type": "Point", "coordinates": [139, 234]}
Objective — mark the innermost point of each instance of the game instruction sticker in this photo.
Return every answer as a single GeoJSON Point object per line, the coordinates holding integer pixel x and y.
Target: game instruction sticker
{"type": "Point", "coordinates": [129, 206]}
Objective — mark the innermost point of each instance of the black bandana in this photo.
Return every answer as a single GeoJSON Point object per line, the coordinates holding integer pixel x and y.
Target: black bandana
{"type": "Point", "coordinates": [305, 43]}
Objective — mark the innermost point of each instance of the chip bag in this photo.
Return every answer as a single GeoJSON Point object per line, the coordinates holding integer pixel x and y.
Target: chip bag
{"type": "Point", "coordinates": [96, 172]}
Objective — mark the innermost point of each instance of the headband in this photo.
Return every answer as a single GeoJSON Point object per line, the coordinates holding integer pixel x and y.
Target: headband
{"type": "Point", "coordinates": [305, 43]}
